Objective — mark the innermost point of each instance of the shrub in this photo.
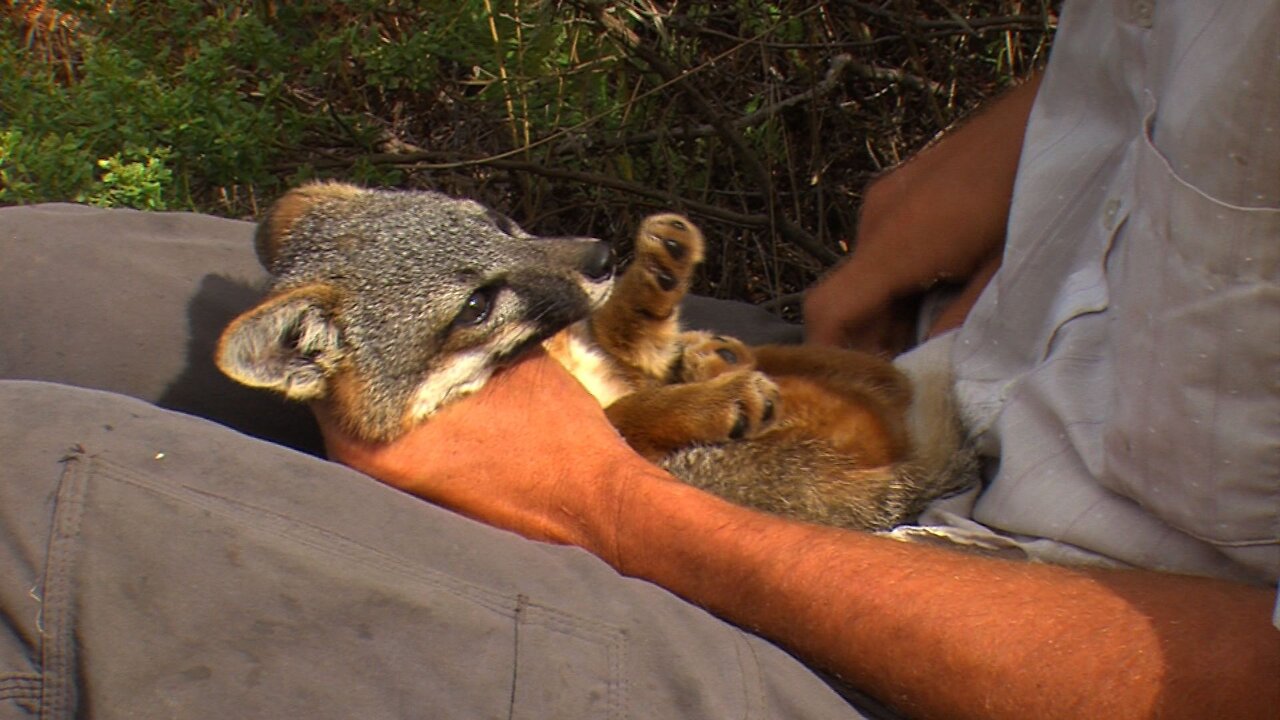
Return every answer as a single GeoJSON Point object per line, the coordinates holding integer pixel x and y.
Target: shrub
{"type": "Point", "coordinates": [763, 120]}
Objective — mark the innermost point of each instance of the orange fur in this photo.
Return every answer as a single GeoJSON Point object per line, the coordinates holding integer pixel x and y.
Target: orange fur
{"type": "Point", "coordinates": [669, 417]}
{"type": "Point", "coordinates": [860, 430]}
{"type": "Point", "coordinates": [681, 389]}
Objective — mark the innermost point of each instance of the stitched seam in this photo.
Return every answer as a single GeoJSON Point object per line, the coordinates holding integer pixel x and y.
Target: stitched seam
{"type": "Point", "coordinates": [618, 678]}
{"type": "Point", "coordinates": [611, 637]}
{"type": "Point", "coordinates": [22, 686]}
{"type": "Point", "coordinates": [329, 541]}
{"type": "Point", "coordinates": [310, 536]}
{"type": "Point", "coordinates": [752, 683]}
{"type": "Point", "coordinates": [57, 687]}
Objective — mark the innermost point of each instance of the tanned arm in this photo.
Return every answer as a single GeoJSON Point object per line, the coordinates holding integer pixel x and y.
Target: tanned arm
{"type": "Point", "coordinates": [933, 632]}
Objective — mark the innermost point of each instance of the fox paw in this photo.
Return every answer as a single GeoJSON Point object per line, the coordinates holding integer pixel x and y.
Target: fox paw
{"type": "Point", "coordinates": [668, 247]}
{"type": "Point", "coordinates": [661, 419]}
{"type": "Point", "coordinates": [704, 355]}
{"type": "Point", "coordinates": [744, 404]}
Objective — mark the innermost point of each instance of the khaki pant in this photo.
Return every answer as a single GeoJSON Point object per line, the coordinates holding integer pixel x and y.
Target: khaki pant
{"type": "Point", "coordinates": [157, 564]}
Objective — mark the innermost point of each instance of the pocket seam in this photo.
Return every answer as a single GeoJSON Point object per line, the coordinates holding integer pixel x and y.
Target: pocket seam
{"type": "Point", "coordinates": [58, 691]}
{"type": "Point", "coordinates": [322, 539]}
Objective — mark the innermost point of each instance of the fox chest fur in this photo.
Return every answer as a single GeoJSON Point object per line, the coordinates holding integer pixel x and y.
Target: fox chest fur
{"type": "Point", "coordinates": [389, 305]}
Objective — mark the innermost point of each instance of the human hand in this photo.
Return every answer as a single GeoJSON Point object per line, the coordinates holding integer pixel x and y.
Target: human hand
{"type": "Point", "coordinates": [531, 452]}
{"type": "Point", "coordinates": [851, 308]}
{"type": "Point", "coordinates": [844, 310]}
{"type": "Point", "coordinates": [940, 216]}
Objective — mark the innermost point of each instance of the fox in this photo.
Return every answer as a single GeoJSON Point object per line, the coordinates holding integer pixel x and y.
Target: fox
{"type": "Point", "coordinates": [391, 304]}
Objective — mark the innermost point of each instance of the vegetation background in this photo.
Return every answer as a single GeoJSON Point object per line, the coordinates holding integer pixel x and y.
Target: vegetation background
{"type": "Point", "coordinates": [761, 120]}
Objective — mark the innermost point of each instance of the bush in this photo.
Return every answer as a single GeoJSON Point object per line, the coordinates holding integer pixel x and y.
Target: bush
{"type": "Point", "coordinates": [135, 179]}
{"type": "Point", "coordinates": [762, 120]}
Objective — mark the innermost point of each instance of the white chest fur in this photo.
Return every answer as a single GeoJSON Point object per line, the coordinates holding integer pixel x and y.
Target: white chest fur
{"type": "Point", "coordinates": [575, 351]}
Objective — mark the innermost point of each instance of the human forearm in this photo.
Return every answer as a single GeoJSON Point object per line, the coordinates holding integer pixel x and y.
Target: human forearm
{"type": "Point", "coordinates": [941, 634]}
{"type": "Point", "coordinates": [938, 633]}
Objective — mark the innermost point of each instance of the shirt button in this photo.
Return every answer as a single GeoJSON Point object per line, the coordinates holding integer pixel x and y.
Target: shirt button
{"type": "Point", "coordinates": [1111, 214]}
{"type": "Point", "coordinates": [1143, 12]}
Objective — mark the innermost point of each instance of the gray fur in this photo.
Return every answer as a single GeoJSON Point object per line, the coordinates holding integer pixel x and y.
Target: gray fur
{"type": "Point", "coordinates": [288, 346]}
{"type": "Point", "coordinates": [806, 480]}
{"type": "Point", "coordinates": [397, 268]}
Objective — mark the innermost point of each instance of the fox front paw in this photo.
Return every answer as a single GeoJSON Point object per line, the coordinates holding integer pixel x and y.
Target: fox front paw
{"type": "Point", "coordinates": [704, 355]}
{"type": "Point", "coordinates": [668, 248]}
{"type": "Point", "coordinates": [743, 404]}
{"type": "Point", "coordinates": [639, 323]}
{"type": "Point", "coordinates": [661, 419]}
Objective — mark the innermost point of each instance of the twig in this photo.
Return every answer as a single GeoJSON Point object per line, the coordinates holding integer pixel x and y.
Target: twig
{"type": "Point", "coordinates": [434, 161]}
{"type": "Point", "coordinates": [830, 81]}
{"type": "Point", "coordinates": [967, 25]}
{"type": "Point", "coordinates": [789, 230]}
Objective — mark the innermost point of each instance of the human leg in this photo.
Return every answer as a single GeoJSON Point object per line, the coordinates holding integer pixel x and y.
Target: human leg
{"type": "Point", "coordinates": [157, 563]}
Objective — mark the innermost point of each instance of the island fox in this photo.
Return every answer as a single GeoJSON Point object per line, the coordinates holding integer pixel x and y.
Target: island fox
{"type": "Point", "coordinates": [391, 304]}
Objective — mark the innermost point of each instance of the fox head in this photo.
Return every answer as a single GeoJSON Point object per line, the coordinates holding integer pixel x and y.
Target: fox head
{"type": "Point", "coordinates": [388, 304]}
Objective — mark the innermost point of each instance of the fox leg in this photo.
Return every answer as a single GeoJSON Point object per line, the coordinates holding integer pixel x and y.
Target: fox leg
{"type": "Point", "coordinates": [856, 401]}
{"type": "Point", "coordinates": [705, 355]}
{"type": "Point", "coordinates": [658, 420]}
{"type": "Point", "coordinates": [639, 323]}
{"type": "Point", "coordinates": [848, 371]}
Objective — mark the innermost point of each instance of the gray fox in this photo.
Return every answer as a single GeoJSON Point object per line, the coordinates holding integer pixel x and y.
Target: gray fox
{"type": "Point", "coordinates": [391, 304]}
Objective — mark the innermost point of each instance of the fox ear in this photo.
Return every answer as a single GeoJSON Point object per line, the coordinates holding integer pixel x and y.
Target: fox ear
{"type": "Point", "coordinates": [289, 343]}
{"type": "Point", "coordinates": [273, 230]}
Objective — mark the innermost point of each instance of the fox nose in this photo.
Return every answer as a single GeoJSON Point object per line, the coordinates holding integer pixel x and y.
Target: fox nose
{"type": "Point", "coordinates": [597, 261]}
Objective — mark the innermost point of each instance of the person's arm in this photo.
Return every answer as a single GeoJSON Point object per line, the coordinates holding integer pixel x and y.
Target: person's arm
{"type": "Point", "coordinates": [935, 633]}
{"type": "Point", "coordinates": [939, 216]}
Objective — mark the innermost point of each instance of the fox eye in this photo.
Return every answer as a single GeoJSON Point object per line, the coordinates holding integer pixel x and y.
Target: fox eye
{"type": "Point", "coordinates": [476, 309]}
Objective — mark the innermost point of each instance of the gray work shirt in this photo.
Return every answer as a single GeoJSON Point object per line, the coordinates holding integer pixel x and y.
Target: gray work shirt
{"type": "Point", "coordinates": [1124, 364]}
